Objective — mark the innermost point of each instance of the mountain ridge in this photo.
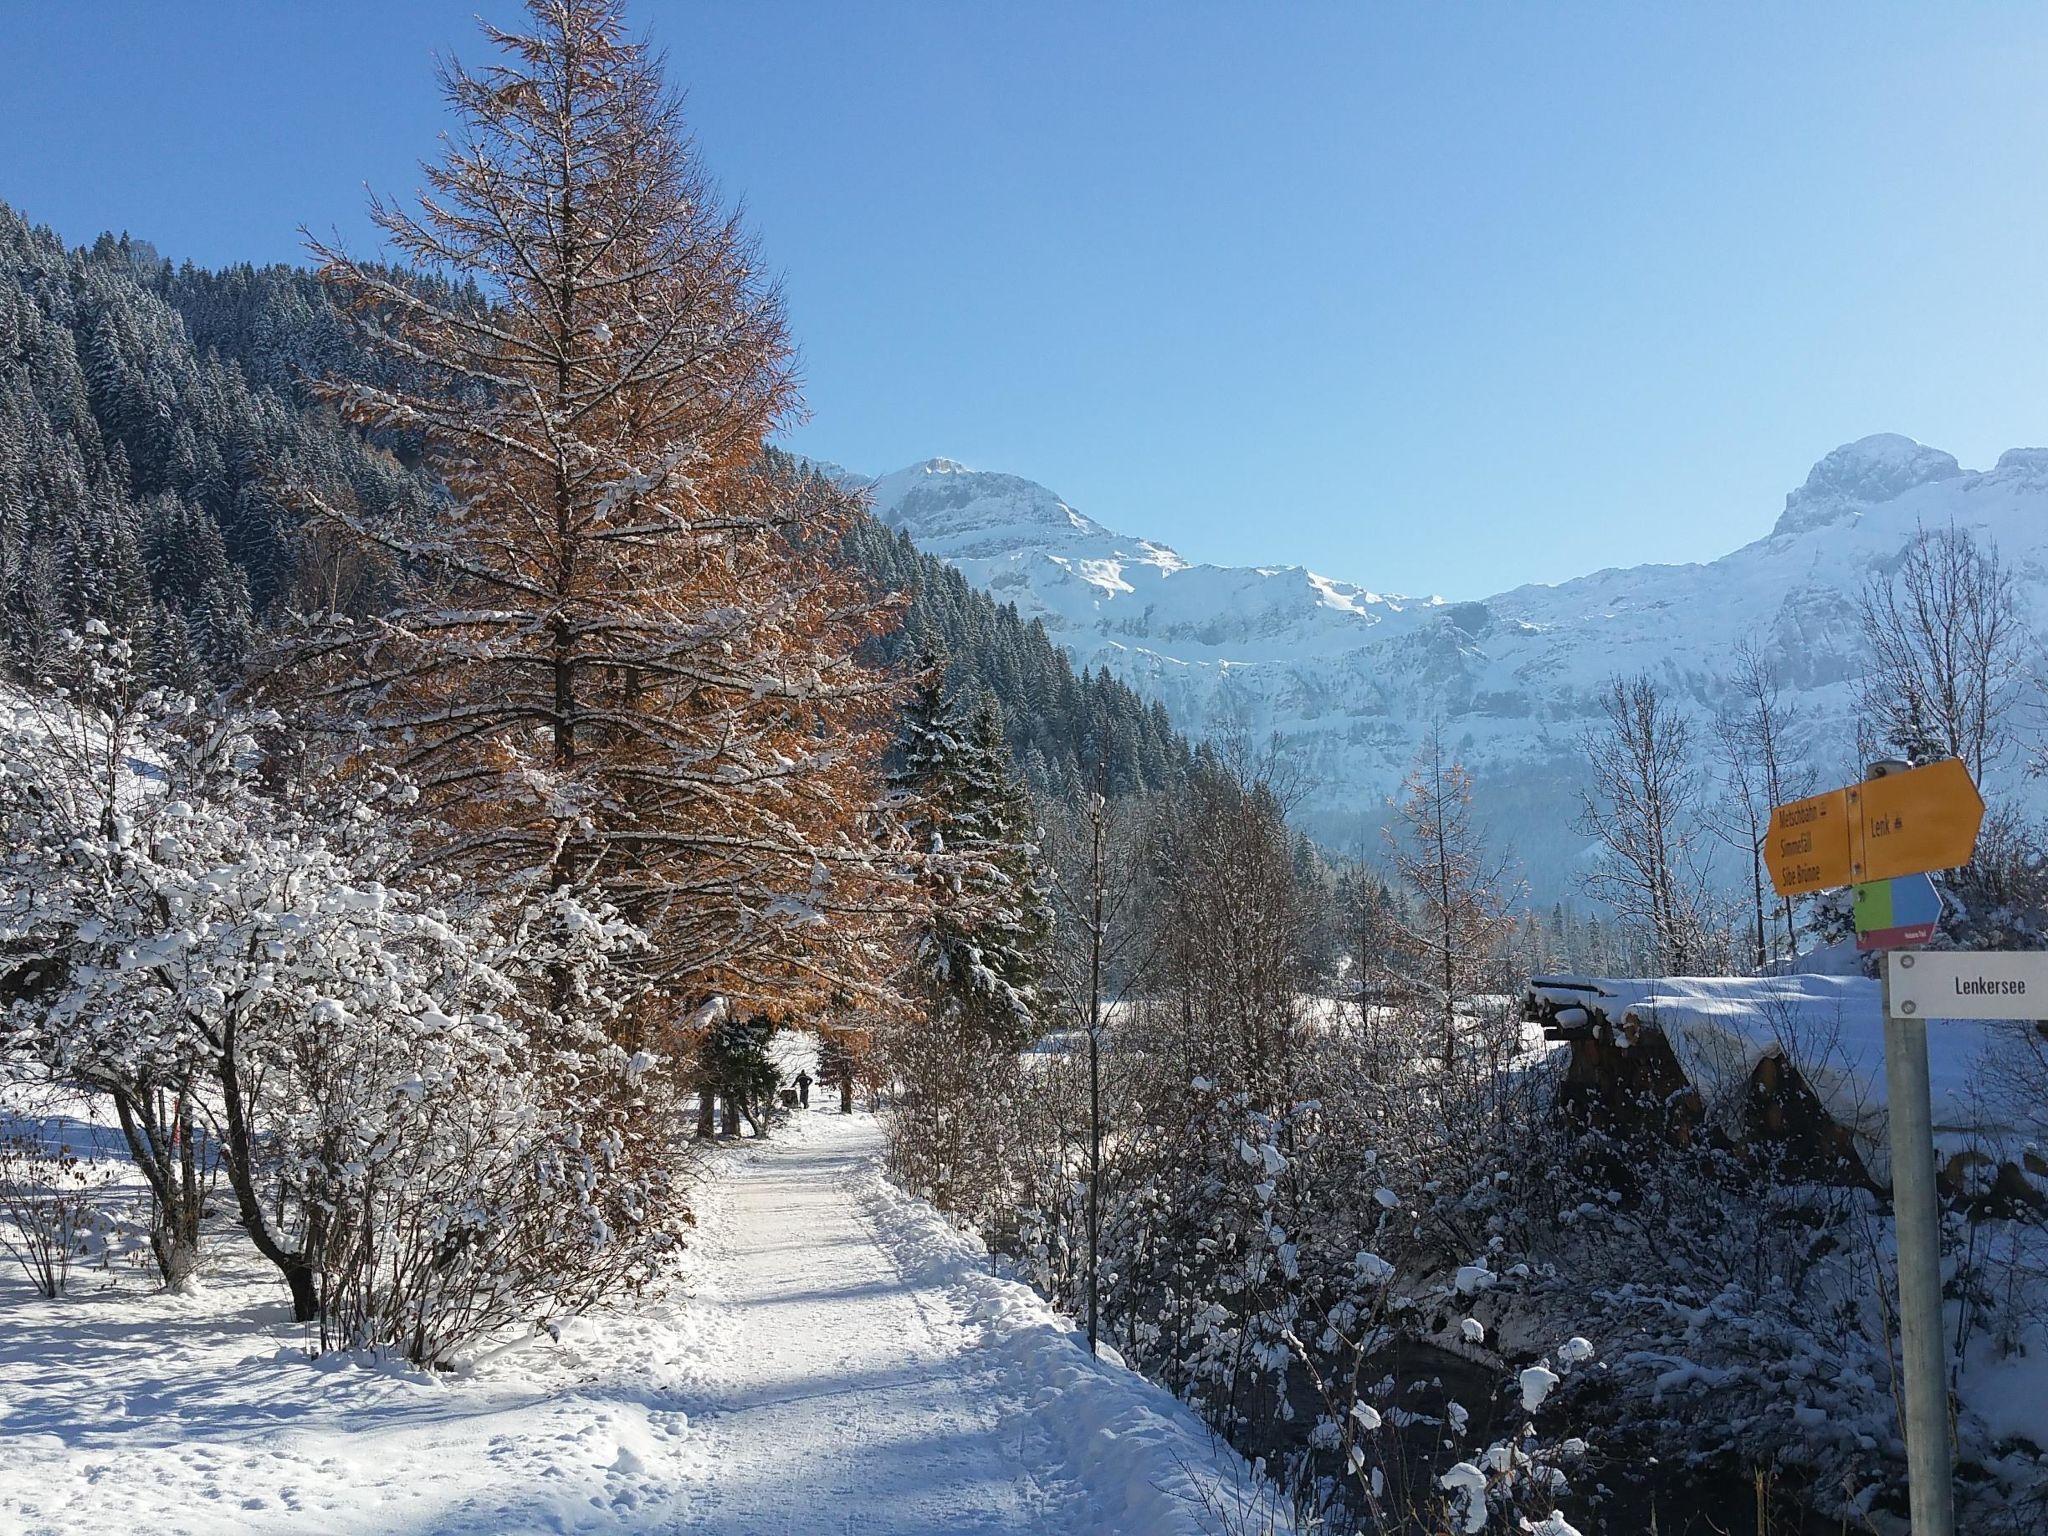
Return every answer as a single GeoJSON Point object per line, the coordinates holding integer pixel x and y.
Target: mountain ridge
{"type": "Point", "coordinates": [1349, 675]}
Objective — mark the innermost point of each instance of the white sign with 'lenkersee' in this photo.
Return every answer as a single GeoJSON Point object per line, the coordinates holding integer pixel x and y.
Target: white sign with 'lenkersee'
{"type": "Point", "coordinates": [1959, 985]}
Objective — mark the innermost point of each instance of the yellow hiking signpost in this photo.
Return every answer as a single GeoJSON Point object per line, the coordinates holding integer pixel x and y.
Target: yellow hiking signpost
{"type": "Point", "coordinates": [1900, 821]}
{"type": "Point", "coordinates": [1905, 823]}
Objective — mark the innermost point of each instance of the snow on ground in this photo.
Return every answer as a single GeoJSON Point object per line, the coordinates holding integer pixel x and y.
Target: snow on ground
{"type": "Point", "coordinates": [836, 1358]}
{"type": "Point", "coordinates": [872, 1375]}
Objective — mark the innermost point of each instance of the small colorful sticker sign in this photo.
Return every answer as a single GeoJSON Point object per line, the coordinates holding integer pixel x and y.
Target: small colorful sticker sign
{"type": "Point", "coordinates": [1896, 913]}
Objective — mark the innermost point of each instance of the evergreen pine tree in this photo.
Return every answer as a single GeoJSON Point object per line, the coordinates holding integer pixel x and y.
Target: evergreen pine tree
{"type": "Point", "coordinates": [981, 950]}
{"type": "Point", "coordinates": [735, 1067]}
{"type": "Point", "coordinates": [982, 954]}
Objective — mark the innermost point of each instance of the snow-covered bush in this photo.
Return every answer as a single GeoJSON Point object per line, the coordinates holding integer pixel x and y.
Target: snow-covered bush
{"type": "Point", "coordinates": [88, 761]}
{"type": "Point", "coordinates": [500, 1164]}
{"type": "Point", "coordinates": [952, 1120]}
{"type": "Point", "coordinates": [428, 1115]}
{"type": "Point", "coordinates": [51, 1212]}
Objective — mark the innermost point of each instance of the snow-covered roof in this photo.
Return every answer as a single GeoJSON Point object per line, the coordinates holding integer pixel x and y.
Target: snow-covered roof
{"type": "Point", "coordinates": [1830, 1027]}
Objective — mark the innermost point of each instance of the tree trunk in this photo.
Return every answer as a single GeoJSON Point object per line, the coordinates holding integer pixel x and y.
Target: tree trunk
{"type": "Point", "coordinates": [1756, 877]}
{"type": "Point", "coordinates": [1095, 1080]}
{"type": "Point", "coordinates": [295, 1264]}
{"type": "Point", "coordinates": [161, 1147]}
{"type": "Point", "coordinates": [707, 1101]}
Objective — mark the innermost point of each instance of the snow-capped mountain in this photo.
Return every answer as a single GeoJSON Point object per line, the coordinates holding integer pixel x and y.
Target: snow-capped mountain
{"type": "Point", "coordinates": [1353, 677]}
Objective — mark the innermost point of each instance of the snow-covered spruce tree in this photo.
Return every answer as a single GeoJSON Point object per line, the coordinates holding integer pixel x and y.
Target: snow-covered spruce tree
{"type": "Point", "coordinates": [980, 951]}
{"type": "Point", "coordinates": [1999, 900]}
{"type": "Point", "coordinates": [982, 947]}
{"type": "Point", "coordinates": [734, 1068]}
{"type": "Point", "coordinates": [625, 662]}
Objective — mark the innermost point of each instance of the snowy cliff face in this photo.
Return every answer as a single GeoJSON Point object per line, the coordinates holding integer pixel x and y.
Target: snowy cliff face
{"type": "Point", "coordinates": [1862, 474]}
{"type": "Point", "coordinates": [1105, 592]}
{"type": "Point", "coordinates": [1353, 677]}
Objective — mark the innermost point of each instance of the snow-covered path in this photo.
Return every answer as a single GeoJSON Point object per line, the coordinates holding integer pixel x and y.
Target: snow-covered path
{"type": "Point", "coordinates": [837, 1359]}
{"type": "Point", "coordinates": [849, 1396]}
{"type": "Point", "coordinates": [866, 1372]}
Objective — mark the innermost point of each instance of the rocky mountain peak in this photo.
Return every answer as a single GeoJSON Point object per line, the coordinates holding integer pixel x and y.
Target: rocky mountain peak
{"type": "Point", "coordinates": [1350, 677]}
{"type": "Point", "coordinates": [1864, 473]}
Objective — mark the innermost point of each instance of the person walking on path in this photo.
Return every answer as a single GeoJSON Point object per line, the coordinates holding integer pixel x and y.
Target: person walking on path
{"type": "Point", "coordinates": [803, 1088]}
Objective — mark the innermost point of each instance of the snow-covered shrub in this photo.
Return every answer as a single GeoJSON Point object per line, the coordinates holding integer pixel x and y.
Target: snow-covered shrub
{"type": "Point", "coordinates": [951, 1120]}
{"type": "Point", "coordinates": [50, 1207]}
{"type": "Point", "coordinates": [1392, 1469]}
{"type": "Point", "coordinates": [505, 1164]}
{"type": "Point", "coordinates": [468, 1143]}
{"type": "Point", "coordinates": [428, 1114]}
{"type": "Point", "coordinates": [1039, 1212]}
{"type": "Point", "coordinates": [95, 768]}
{"type": "Point", "coordinates": [1742, 1315]}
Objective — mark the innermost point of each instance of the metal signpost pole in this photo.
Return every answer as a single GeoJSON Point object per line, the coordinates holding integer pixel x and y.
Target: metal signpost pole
{"type": "Point", "coordinates": [1902, 822]}
{"type": "Point", "coordinates": [1917, 1219]}
{"type": "Point", "coordinates": [1914, 1210]}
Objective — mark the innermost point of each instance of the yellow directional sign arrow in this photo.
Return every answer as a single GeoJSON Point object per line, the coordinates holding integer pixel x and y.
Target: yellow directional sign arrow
{"type": "Point", "coordinates": [1922, 819]}
{"type": "Point", "coordinates": [1902, 824]}
{"type": "Point", "coordinates": [1808, 844]}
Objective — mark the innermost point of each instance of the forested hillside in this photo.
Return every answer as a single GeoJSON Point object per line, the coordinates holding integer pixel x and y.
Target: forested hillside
{"type": "Point", "coordinates": [139, 471]}
{"type": "Point", "coordinates": [150, 413]}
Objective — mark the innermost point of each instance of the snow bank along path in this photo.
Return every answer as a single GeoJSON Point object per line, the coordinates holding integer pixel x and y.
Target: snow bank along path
{"type": "Point", "coordinates": [838, 1360]}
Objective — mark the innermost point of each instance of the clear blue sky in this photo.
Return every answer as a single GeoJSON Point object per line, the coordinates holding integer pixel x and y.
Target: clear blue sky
{"type": "Point", "coordinates": [1435, 298]}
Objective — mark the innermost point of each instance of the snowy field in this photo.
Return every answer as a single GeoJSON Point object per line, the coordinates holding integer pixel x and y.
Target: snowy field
{"type": "Point", "coordinates": [835, 1358]}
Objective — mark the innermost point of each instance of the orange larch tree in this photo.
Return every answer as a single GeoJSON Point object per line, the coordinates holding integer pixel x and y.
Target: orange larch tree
{"type": "Point", "coordinates": [624, 659]}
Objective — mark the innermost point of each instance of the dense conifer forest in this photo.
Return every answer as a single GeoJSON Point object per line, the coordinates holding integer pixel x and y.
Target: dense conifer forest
{"type": "Point", "coordinates": [151, 413]}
